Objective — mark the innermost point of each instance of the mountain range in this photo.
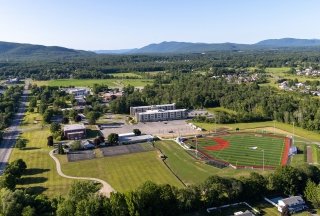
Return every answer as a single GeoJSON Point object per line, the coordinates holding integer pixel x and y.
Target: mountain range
{"type": "Point", "coordinates": [186, 47]}
{"type": "Point", "coordinates": [18, 51]}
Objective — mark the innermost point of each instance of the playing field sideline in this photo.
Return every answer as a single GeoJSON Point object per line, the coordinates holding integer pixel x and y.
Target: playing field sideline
{"type": "Point", "coordinates": [244, 149]}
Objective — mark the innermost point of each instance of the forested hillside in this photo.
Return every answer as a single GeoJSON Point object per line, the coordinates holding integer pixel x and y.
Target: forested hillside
{"type": "Point", "coordinates": [100, 66]}
{"type": "Point", "coordinates": [17, 52]}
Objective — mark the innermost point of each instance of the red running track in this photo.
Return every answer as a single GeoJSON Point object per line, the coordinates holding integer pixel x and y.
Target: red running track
{"type": "Point", "coordinates": [287, 145]}
{"type": "Point", "coordinates": [221, 144]}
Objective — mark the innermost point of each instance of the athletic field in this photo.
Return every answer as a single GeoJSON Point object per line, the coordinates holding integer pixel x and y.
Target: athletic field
{"type": "Point", "coordinates": [252, 150]}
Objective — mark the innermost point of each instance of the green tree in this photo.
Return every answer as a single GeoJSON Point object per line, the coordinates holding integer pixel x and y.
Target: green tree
{"type": "Point", "coordinates": [60, 149]}
{"type": "Point", "coordinates": [55, 127]}
{"type": "Point", "coordinates": [288, 180]}
{"type": "Point", "coordinates": [8, 181]}
{"type": "Point", "coordinates": [65, 120]}
{"type": "Point", "coordinates": [312, 193]}
{"type": "Point", "coordinates": [21, 143]}
{"type": "Point", "coordinates": [189, 199]}
{"type": "Point", "coordinates": [92, 117]}
{"type": "Point", "coordinates": [50, 141]}
{"type": "Point", "coordinates": [118, 204]}
{"type": "Point", "coordinates": [28, 211]}
{"type": "Point", "coordinates": [136, 132]}
{"type": "Point", "coordinates": [256, 184]}
{"type": "Point", "coordinates": [79, 193]}
{"type": "Point", "coordinates": [76, 145]}
{"type": "Point", "coordinates": [113, 138]}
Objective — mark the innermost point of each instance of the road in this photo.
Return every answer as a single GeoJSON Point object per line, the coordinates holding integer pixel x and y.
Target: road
{"type": "Point", "coordinates": [11, 133]}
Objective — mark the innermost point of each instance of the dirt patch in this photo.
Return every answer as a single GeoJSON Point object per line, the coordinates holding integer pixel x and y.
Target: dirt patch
{"type": "Point", "coordinates": [221, 144]}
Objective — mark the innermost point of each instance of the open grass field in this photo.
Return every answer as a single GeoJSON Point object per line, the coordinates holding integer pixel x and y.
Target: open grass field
{"type": "Point", "coordinates": [190, 170]}
{"type": "Point", "coordinates": [90, 82]}
{"type": "Point", "coordinates": [281, 72]}
{"type": "Point", "coordinates": [123, 75]}
{"type": "Point", "coordinates": [41, 175]}
{"type": "Point", "coordinates": [124, 172]}
{"type": "Point", "coordinates": [266, 125]}
{"type": "Point", "coordinates": [243, 149]}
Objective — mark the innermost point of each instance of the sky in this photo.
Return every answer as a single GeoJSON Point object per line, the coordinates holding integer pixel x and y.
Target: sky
{"type": "Point", "coordinates": [122, 24]}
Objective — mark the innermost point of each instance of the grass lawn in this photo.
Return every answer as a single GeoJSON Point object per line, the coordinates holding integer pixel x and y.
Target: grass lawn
{"type": "Point", "coordinates": [238, 149]}
{"type": "Point", "coordinates": [267, 125]}
{"type": "Point", "coordinates": [192, 171]}
{"type": "Point", "coordinates": [281, 73]}
{"type": "Point", "coordinates": [315, 153]}
{"type": "Point", "coordinates": [41, 176]}
{"type": "Point", "coordinates": [300, 158]}
{"type": "Point", "coordinates": [125, 172]}
{"type": "Point", "coordinates": [90, 82]}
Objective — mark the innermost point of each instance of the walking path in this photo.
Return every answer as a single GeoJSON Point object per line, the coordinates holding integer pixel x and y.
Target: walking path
{"type": "Point", "coordinates": [106, 188]}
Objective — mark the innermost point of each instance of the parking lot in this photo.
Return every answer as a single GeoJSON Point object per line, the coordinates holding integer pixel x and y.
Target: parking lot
{"type": "Point", "coordinates": [162, 128]}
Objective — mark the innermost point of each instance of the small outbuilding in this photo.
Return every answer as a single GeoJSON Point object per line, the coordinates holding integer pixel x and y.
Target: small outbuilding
{"type": "Point", "coordinates": [74, 131]}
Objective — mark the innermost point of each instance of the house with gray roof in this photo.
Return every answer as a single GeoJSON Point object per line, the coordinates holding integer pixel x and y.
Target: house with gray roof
{"type": "Point", "coordinates": [294, 203]}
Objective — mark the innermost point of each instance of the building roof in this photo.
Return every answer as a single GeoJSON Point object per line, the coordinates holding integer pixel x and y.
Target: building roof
{"type": "Point", "coordinates": [162, 111]}
{"type": "Point", "coordinates": [127, 134]}
{"type": "Point", "coordinates": [292, 200]}
{"type": "Point", "coordinates": [246, 213]}
{"type": "Point", "coordinates": [136, 138]}
{"type": "Point", "coordinates": [161, 105]}
{"type": "Point", "coordinates": [74, 127]}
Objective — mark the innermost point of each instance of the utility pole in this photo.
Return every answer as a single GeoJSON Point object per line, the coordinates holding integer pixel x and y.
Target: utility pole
{"type": "Point", "coordinates": [293, 133]}
{"type": "Point", "coordinates": [215, 123]}
{"type": "Point", "coordinates": [263, 159]}
{"type": "Point", "coordinates": [196, 146]}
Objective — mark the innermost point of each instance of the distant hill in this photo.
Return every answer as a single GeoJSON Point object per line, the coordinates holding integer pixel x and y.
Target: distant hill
{"type": "Point", "coordinates": [186, 47]}
{"type": "Point", "coordinates": [120, 51]}
{"type": "Point", "coordinates": [18, 51]}
{"type": "Point", "coordinates": [289, 42]}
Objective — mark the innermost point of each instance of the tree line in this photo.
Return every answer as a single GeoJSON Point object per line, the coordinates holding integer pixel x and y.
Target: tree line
{"type": "Point", "coordinates": [152, 199]}
{"type": "Point", "coordinates": [250, 101]}
{"type": "Point", "coordinates": [101, 66]}
{"type": "Point", "coordinates": [9, 102]}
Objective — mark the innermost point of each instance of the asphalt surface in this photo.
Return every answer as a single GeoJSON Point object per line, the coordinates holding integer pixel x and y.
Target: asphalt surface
{"type": "Point", "coordinates": [11, 133]}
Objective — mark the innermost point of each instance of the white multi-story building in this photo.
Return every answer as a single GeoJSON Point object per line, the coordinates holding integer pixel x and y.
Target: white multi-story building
{"type": "Point", "coordinates": [160, 115]}
{"type": "Point", "coordinates": [134, 110]}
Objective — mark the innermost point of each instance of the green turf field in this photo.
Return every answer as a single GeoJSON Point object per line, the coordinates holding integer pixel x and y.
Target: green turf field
{"type": "Point", "coordinates": [244, 149]}
{"type": "Point", "coordinates": [90, 82]}
{"type": "Point", "coordinates": [192, 171]}
{"type": "Point", "coordinates": [41, 175]}
{"type": "Point", "coordinates": [124, 172]}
